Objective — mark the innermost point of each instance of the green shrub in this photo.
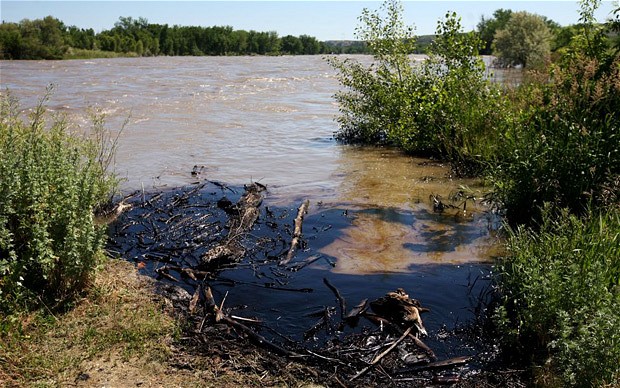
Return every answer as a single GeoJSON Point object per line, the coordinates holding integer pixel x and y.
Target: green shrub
{"type": "Point", "coordinates": [566, 146]}
{"type": "Point", "coordinates": [373, 104]}
{"type": "Point", "coordinates": [560, 289]}
{"type": "Point", "coordinates": [443, 106]}
{"type": "Point", "coordinates": [51, 181]}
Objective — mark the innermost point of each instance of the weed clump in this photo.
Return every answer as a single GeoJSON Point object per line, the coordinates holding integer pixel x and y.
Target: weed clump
{"type": "Point", "coordinates": [51, 182]}
{"type": "Point", "coordinates": [561, 295]}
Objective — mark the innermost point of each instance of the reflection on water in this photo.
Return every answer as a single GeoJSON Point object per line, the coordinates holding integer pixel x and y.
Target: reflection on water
{"type": "Point", "coordinates": [396, 228]}
{"type": "Point", "coordinates": [373, 244]}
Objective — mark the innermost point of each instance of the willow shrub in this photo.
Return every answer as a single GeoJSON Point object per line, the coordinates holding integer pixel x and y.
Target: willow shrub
{"type": "Point", "coordinates": [51, 181]}
{"type": "Point", "coordinates": [442, 106]}
{"type": "Point", "coordinates": [561, 295]}
{"type": "Point", "coordinates": [566, 146]}
{"type": "Point", "coordinates": [566, 149]}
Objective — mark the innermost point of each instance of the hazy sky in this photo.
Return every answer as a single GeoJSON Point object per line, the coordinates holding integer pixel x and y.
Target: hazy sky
{"type": "Point", "coordinates": [324, 20]}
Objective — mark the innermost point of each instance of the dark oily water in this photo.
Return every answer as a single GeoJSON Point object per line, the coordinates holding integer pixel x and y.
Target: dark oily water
{"type": "Point", "coordinates": [172, 230]}
{"type": "Point", "coordinates": [270, 119]}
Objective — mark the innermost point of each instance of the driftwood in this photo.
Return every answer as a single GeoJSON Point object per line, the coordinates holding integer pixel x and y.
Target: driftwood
{"type": "Point", "coordinates": [303, 209]}
{"type": "Point", "coordinates": [243, 215]}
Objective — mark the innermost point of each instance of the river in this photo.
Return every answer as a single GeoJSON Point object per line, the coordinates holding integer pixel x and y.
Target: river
{"type": "Point", "coordinates": [271, 120]}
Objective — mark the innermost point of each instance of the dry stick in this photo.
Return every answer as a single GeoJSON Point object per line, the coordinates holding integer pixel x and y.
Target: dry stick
{"type": "Point", "coordinates": [382, 321]}
{"type": "Point", "coordinates": [343, 304]}
{"type": "Point", "coordinates": [221, 317]}
{"type": "Point", "coordinates": [303, 209]}
{"type": "Point", "coordinates": [443, 364]}
{"type": "Point", "coordinates": [385, 353]}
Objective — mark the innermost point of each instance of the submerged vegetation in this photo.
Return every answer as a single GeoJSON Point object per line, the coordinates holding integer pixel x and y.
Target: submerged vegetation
{"type": "Point", "coordinates": [549, 146]}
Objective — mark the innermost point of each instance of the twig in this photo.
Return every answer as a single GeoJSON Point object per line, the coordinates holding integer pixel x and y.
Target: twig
{"type": "Point", "coordinates": [385, 353]}
{"type": "Point", "coordinates": [341, 301]}
{"type": "Point", "coordinates": [326, 358]}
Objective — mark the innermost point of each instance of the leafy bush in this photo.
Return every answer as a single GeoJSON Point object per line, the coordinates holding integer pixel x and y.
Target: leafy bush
{"type": "Point", "coordinates": [371, 106]}
{"type": "Point", "coordinates": [561, 295]}
{"type": "Point", "coordinates": [443, 106]}
{"type": "Point", "coordinates": [51, 181]}
{"type": "Point", "coordinates": [566, 146]}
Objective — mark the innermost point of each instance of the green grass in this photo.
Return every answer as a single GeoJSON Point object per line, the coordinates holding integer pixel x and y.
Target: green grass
{"type": "Point", "coordinates": [118, 316]}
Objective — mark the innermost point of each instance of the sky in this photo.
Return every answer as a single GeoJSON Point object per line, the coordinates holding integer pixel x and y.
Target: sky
{"type": "Point", "coordinates": [323, 19]}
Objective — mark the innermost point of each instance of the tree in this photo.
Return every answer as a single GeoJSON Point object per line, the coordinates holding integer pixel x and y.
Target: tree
{"type": "Point", "coordinates": [375, 104]}
{"type": "Point", "coordinates": [311, 46]}
{"type": "Point", "coordinates": [525, 40]}
{"type": "Point", "coordinates": [488, 27]}
{"type": "Point", "coordinates": [11, 43]}
{"type": "Point", "coordinates": [291, 45]}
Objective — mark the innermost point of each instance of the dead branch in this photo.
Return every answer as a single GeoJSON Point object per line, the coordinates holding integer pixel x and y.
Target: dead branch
{"type": "Point", "coordinates": [341, 301]}
{"type": "Point", "coordinates": [303, 209]}
{"type": "Point", "coordinates": [220, 316]}
{"type": "Point", "coordinates": [385, 353]}
{"type": "Point", "coordinates": [386, 323]}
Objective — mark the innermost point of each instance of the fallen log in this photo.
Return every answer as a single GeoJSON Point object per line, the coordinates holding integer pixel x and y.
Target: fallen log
{"type": "Point", "coordinates": [303, 209]}
{"type": "Point", "coordinates": [241, 221]}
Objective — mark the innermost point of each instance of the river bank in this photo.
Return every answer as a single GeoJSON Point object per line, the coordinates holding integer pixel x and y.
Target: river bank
{"type": "Point", "coordinates": [122, 333]}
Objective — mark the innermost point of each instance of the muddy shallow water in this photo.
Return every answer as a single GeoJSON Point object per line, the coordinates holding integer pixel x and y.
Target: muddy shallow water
{"type": "Point", "coordinates": [271, 119]}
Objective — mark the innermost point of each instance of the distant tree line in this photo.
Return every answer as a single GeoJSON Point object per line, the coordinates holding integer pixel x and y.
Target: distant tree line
{"type": "Point", "coordinates": [517, 37]}
{"type": "Point", "coordinates": [50, 38]}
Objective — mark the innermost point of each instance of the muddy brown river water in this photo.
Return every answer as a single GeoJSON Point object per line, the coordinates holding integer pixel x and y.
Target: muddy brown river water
{"type": "Point", "coordinates": [271, 120]}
